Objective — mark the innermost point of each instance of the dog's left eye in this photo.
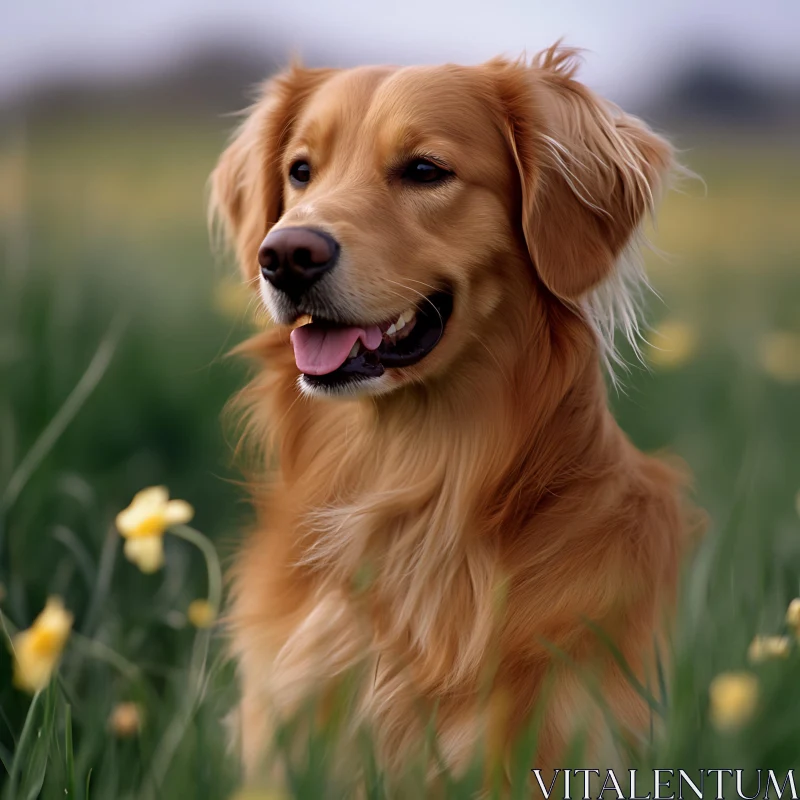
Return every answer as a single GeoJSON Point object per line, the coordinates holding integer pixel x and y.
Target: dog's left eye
{"type": "Point", "coordinates": [300, 173]}
{"type": "Point", "coordinates": [420, 170]}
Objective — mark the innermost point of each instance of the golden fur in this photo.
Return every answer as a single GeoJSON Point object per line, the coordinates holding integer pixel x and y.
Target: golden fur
{"type": "Point", "coordinates": [482, 505]}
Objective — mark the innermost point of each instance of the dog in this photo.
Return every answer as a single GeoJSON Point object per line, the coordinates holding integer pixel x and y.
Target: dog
{"type": "Point", "coordinates": [444, 494]}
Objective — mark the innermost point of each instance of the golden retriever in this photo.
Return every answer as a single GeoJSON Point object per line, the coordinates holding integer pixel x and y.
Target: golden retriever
{"type": "Point", "coordinates": [453, 503]}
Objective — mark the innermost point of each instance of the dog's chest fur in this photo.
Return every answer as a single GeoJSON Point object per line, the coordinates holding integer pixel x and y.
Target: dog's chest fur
{"type": "Point", "coordinates": [439, 557]}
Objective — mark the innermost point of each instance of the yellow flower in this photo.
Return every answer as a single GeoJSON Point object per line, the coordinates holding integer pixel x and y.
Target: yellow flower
{"type": "Point", "coordinates": [38, 649]}
{"type": "Point", "coordinates": [763, 648]}
{"type": "Point", "coordinates": [260, 794]}
{"type": "Point", "coordinates": [779, 354]}
{"type": "Point", "coordinates": [144, 522]}
{"type": "Point", "coordinates": [125, 720]}
{"type": "Point", "coordinates": [734, 698]}
{"type": "Point", "coordinates": [672, 344]}
{"type": "Point", "coordinates": [201, 614]}
{"type": "Point", "coordinates": [793, 615]}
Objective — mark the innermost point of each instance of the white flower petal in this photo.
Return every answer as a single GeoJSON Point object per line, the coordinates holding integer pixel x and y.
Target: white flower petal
{"type": "Point", "coordinates": [178, 512]}
{"type": "Point", "coordinates": [126, 521]}
{"type": "Point", "coordinates": [147, 552]}
{"type": "Point", "coordinates": [153, 496]}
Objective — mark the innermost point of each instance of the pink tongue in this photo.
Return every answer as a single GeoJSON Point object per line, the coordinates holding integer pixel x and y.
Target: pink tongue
{"type": "Point", "coordinates": [319, 350]}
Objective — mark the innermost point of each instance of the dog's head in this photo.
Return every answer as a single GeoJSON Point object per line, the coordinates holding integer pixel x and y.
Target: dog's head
{"type": "Point", "coordinates": [407, 209]}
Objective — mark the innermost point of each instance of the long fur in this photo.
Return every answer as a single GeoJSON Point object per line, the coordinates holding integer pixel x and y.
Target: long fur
{"type": "Point", "coordinates": [452, 532]}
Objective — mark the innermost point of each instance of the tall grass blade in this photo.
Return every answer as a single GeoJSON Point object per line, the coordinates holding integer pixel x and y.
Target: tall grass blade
{"type": "Point", "coordinates": [36, 766]}
{"type": "Point", "coordinates": [69, 409]}
{"type": "Point", "coordinates": [622, 663]}
{"type": "Point", "coordinates": [69, 754]}
{"type": "Point", "coordinates": [20, 754]}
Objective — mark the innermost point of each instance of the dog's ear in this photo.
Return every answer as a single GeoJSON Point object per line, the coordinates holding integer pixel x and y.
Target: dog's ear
{"type": "Point", "coordinates": [247, 185]}
{"type": "Point", "coordinates": [589, 173]}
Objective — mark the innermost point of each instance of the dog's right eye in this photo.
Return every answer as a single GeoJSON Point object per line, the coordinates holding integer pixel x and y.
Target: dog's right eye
{"type": "Point", "coordinates": [300, 172]}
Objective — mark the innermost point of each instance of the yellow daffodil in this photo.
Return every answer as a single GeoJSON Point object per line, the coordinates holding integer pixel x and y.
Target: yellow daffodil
{"type": "Point", "coordinates": [793, 615]}
{"type": "Point", "coordinates": [38, 649]}
{"type": "Point", "coordinates": [125, 720]}
{"type": "Point", "coordinates": [144, 522]}
{"type": "Point", "coordinates": [779, 354]}
{"type": "Point", "coordinates": [734, 699]}
{"type": "Point", "coordinates": [201, 614]}
{"type": "Point", "coordinates": [672, 344]}
{"type": "Point", "coordinates": [763, 648]}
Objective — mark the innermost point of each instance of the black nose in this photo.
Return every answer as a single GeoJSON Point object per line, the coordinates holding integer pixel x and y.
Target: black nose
{"type": "Point", "coordinates": [292, 259]}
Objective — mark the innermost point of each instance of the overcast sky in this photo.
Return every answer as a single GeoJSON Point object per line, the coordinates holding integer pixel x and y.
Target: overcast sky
{"type": "Point", "coordinates": [632, 42]}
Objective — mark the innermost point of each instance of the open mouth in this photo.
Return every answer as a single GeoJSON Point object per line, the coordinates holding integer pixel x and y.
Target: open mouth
{"type": "Point", "coordinates": [332, 353]}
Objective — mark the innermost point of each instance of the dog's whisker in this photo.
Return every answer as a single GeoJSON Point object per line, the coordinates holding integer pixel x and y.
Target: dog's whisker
{"type": "Point", "coordinates": [428, 285]}
{"type": "Point", "coordinates": [424, 297]}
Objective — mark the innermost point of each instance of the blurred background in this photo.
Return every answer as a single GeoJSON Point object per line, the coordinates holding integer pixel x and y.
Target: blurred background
{"type": "Point", "coordinates": [111, 118]}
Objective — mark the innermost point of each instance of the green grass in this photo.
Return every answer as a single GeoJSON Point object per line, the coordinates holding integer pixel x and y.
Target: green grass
{"type": "Point", "coordinates": [106, 267]}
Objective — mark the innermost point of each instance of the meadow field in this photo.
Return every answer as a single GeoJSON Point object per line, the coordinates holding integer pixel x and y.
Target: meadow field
{"type": "Point", "coordinates": [115, 321]}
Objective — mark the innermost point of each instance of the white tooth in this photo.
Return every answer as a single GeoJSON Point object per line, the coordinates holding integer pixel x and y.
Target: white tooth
{"type": "Point", "coordinates": [391, 330]}
{"type": "Point", "coordinates": [400, 324]}
{"type": "Point", "coordinates": [407, 316]}
{"type": "Point", "coordinates": [354, 350]}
